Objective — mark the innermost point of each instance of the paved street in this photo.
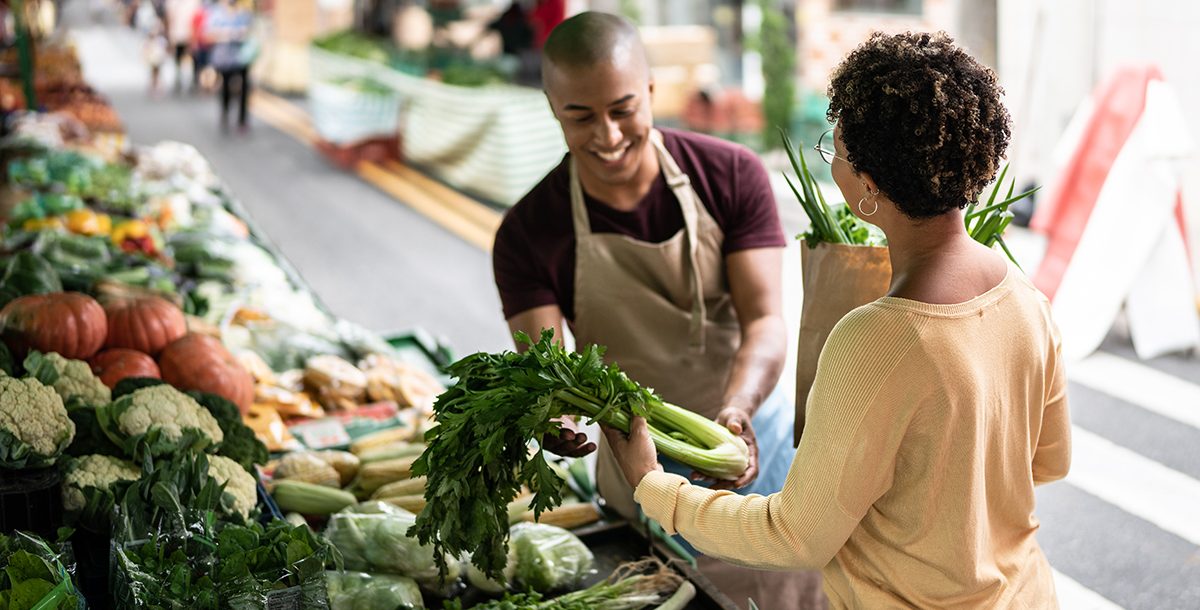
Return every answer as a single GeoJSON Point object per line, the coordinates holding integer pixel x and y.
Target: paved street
{"type": "Point", "coordinates": [1123, 531]}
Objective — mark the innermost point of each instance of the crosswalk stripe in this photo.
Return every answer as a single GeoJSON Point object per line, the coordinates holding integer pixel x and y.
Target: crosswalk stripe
{"type": "Point", "coordinates": [1136, 484]}
{"type": "Point", "coordinates": [1074, 596]}
{"type": "Point", "coordinates": [1141, 385]}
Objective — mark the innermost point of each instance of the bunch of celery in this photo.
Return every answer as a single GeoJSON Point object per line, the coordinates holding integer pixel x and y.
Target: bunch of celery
{"type": "Point", "coordinates": [478, 456]}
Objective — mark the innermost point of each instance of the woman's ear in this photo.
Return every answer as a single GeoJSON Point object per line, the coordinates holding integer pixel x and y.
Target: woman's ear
{"type": "Point", "coordinates": [869, 183]}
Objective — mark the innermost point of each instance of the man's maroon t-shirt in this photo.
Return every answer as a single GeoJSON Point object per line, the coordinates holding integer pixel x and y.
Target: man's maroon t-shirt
{"type": "Point", "coordinates": [534, 254]}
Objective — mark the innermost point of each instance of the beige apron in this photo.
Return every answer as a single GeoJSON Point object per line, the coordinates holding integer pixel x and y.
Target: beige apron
{"type": "Point", "coordinates": [666, 316]}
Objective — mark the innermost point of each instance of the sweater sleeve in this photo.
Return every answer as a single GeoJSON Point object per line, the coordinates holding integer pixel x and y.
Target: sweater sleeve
{"type": "Point", "coordinates": [1052, 457]}
{"type": "Point", "coordinates": [845, 461]}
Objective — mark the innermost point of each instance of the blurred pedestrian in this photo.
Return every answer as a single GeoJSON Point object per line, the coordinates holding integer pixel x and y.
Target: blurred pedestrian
{"type": "Point", "coordinates": [203, 78]}
{"type": "Point", "coordinates": [154, 52]}
{"type": "Point", "coordinates": [545, 16]}
{"type": "Point", "coordinates": [228, 26]}
{"type": "Point", "coordinates": [179, 33]}
{"type": "Point", "coordinates": [145, 16]}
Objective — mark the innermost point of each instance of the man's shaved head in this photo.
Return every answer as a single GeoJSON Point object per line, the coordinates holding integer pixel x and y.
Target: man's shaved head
{"type": "Point", "coordinates": [592, 38]}
{"type": "Point", "coordinates": [598, 83]}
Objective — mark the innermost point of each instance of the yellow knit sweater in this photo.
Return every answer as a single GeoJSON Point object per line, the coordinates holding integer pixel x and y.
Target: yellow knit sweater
{"type": "Point", "coordinates": [928, 427]}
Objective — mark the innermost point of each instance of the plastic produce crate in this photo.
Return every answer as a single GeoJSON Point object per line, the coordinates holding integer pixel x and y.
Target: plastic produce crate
{"type": "Point", "coordinates": [31, 500]}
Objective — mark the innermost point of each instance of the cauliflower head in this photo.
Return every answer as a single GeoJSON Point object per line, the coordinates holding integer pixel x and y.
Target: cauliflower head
{"type": "Point", "coordinates": [35, 417]}
{"type": "Point", "coordinates": [75, 380]}
{"type": "Point", "coordinates": [238, 483]}
{"type": "Point", "coordinates": [161, 408]}
{"type": "Point", "coordinates": [99, 471]}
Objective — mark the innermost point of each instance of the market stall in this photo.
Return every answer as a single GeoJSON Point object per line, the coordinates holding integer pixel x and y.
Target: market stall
{"type": "Point", "coordinates": [214, 437]}
{"type": "Point", "coordinates": [470, 129]}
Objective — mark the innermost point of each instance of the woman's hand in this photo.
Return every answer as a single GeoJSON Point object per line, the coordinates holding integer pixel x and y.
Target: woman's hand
{"type": "Point", "coordinates": [635, 453]}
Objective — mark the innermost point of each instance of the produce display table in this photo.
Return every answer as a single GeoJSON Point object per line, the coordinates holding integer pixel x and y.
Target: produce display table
{"type": "Point", "coordinates": [494, 142]}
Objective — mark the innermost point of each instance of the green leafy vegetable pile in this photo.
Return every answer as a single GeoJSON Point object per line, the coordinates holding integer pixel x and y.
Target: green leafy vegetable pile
{"type": "Point", "coordinates": [32, 575]}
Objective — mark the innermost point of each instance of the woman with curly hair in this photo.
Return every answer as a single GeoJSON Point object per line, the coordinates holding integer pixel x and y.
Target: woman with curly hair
{"type": "Point", "coordinates": [937, 408]}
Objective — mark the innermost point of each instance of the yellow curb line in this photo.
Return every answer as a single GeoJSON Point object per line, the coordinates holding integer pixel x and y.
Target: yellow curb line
{"type": "Point", "coordinates": [470, 220]}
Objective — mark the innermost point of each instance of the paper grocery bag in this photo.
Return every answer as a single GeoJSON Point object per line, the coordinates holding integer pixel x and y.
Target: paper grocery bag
{"type": "Point", "coordinates": [837, 278]}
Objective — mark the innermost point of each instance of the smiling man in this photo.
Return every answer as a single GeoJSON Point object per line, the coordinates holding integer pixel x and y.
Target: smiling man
{"type": "Point", "coordinates": [665, 247]}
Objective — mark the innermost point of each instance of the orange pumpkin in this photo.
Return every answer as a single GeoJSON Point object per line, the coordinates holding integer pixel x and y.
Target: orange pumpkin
{"type": "Point", "coordinates": [200, 362]}
{"type": "Point", "coordinates": [113, 365]}
{"type": "Point", "coordinates": [69, 323]}
{"type": "Point", "coordinates": [144, 323]}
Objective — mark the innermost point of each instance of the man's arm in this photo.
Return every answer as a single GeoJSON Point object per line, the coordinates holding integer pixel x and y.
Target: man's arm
{"type": "Point", "coordinates": [533, 321]}
{"type": "Point", "coordinates": [755, 281]}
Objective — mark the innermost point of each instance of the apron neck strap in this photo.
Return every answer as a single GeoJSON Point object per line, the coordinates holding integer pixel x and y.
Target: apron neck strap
{"type": "Point", "coordinates": [689, 204]}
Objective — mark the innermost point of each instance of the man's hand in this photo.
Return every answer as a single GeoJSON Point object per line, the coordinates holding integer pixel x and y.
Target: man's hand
{"type": "Point", "coordinates": [738, 422]}
{"type": "Point", "coordinates": [570, 442]}
{"type": "Point", "coordinates": [636, 453]}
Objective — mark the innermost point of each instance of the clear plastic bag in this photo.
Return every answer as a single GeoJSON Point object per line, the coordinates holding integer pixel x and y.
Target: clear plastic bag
{"type": "Point", "coordinates": [541, 558]}
{"type": "Point", "coordinates": [362, 591]}
{"type": "Point", "coordinates": [378, 542]}
{"type": "Point", "coordinates": [37, 573]}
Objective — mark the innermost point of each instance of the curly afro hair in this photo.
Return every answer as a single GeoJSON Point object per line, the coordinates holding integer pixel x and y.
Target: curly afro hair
{"type": "Point", "coordinates": [922, 117]}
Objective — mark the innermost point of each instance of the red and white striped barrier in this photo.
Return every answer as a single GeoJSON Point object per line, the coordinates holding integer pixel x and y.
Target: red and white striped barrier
{"type": "Point", "coordinates": [1115, 221]}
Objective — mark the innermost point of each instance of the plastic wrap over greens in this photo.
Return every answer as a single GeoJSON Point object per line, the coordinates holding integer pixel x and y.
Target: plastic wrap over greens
{"type": "Point", "coordinates": [541, 558]}
{"type": "Point", "coordinates": [379, 542]}
{"type": "Point", "coordinates": [362, 591]}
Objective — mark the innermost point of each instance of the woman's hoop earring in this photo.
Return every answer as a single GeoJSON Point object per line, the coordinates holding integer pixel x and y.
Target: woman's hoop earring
{"type": "Point", "coordinates": [873, 210]}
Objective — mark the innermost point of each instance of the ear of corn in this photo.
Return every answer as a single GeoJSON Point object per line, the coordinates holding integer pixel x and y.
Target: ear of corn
{"type": "Point", "coordinates": [308, 467]}
{"type": "Point", "coordinates": [310, 499]}
{"type": "Point", "coordinates": [346, 464]}
{"type": "Point", "coordinates": [373, 475]}
{"type": "Point", "coordinates": [413, 504]}
{"type": "Point", "coordinates": [567, 516]}
{"type": "Point", "coordinates": [391, 451]}
{"type": "Point", "coordinates": [406, 487]}
{"type": "Point", "coordinates": [383, 437]}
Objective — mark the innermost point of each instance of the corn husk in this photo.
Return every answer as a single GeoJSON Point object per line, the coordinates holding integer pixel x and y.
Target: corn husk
{"type": "Point", "coordinates": [413, 503]}
{"type": "Point", "coordinates": [306, 466]}
{"type": "Point", "coordinates": [345, 463]}
{"type": "Point", "coordinates": [391, 451]}
{"type": "Point", "coordinates": [373, 475]}
{"type": "Point", "coordinates": [383, 437]}
{"type": "Point", "coordinates": [407, 487]}
{"type": "Point", "coordinates": [567, 516]}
